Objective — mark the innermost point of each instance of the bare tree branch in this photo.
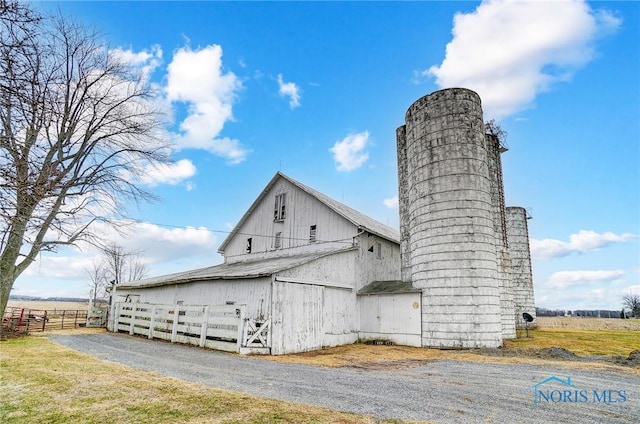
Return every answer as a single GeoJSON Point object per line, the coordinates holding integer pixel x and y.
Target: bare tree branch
{"type": "Point", "coordinates": [78, 128]}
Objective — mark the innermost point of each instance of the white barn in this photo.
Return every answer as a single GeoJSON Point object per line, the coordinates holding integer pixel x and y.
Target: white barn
{"type": "Point", "coordinates": [301, 271]}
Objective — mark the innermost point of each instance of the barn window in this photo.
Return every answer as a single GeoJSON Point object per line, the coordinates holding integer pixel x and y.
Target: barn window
{"type": "Point", "coordinates": [249, 240]}
{"type": "Point", "coordinates": [279, 208]}
{"type": "Point", "coordinates": [277, 243]}
{"type": "Point", "coordinates": [378, 251]}
{"type": "Point", "coordinates": [312, 234]}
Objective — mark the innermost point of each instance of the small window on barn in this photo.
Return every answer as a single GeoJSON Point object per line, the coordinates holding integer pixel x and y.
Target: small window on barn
{"type": "Point", "coordinates": [378, 250]}
{"type": "Point", "coordinates": [312, 234]}
{"type": "Point", "coordinates": [248, 249]}
{"type": "Point", "coordinates": [279, 213]}
{"type": "Point", "coordinates": [277, 243]}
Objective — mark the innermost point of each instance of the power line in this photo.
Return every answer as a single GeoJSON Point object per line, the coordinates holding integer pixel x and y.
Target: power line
{"type": "Point", "coordinates": [188, 227]}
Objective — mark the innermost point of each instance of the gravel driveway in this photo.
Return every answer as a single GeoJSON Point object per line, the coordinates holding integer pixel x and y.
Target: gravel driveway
{"type": "Point", "coordinates": [439, 391]}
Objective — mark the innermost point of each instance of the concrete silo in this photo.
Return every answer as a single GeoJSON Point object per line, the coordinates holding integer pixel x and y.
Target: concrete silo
{"type": "Point", "coordinates": [522, 277]}
{"type": "Point", "coordinates": [495, 148]}
{"type": "Point", "coordinates": [450, 214]}
{"type": "Point", "coordinates": [403, 199]}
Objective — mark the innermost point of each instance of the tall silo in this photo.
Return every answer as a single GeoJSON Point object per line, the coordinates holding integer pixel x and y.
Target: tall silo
{"type": "Point", "coordinates": [520, 253]}
{"type": "Point", "coordinates": [450, 213]}
{"type": "Point", "coordinates": [403, 198]}
{"type": "Point", "coordinates": [495, 147]}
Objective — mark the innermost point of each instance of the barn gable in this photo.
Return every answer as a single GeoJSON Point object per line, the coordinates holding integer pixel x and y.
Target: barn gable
{"type": "Point", "coordinates": [290, 218]}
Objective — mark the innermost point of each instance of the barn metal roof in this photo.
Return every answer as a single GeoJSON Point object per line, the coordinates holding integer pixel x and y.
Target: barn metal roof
{"type": "Point", "coordinates": [388, 287]}
{"type": "Point", "coordinates": [233, 271]}
{"type": "Point", "coordinates": [357, 218]}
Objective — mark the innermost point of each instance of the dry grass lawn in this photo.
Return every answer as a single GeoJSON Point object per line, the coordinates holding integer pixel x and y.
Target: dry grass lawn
{"type": "Point", "coordinates": [43, 382]}
{"type": "Point", "coordinates": [603, 337]}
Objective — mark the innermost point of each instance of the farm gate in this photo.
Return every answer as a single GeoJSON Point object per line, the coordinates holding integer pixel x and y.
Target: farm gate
{"type": "Point", "coordinates": [30, 320]}
{"type": "Point", "coordinates": [221, 327]}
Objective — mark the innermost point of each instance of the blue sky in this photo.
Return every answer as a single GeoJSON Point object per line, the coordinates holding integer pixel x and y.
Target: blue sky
{"type": "Point", "coordinates": [316, 90]}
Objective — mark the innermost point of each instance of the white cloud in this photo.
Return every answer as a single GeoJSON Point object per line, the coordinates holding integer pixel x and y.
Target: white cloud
{"type": "Point", "coordinates": [349, 153]}
{"type": "Point", "coordinates": [145, 61]}
{"type": "Point", "coordinates": [60, 266]}
{"type": "Point", "coordinates": [391, 202]}
{"type": "Point", "coordinates": [564, 279]}
{"type": "Point", "coordinates": [161, 244]}
{"type": "Point", "coordinates": [172, 174]}
{"type": "Point", "coordinates": [510, 51]}
{"type": "Point", "coordinates": [157, 246]}
{"type": "Point", "coordinates": [582, 242]}
{"type": "Point", "coordinates": [196, 77]}
{"type": "Point", "coordinates": [291, 90]}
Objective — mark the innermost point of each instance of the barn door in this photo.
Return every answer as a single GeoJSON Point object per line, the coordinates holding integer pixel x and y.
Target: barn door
{"type": "Point", "coordinates": [298, 311]}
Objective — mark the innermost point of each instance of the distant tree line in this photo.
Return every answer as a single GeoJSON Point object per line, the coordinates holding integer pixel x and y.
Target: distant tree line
{"type": "Point", "coordinates": [596, 313]}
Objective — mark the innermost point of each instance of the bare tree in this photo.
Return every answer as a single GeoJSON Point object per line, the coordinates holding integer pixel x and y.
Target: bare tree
{"type": "Point", "coordinates": [98, 281]}
{"type": "Point", "coordinates": [122, 265]}
{"type": "Point", "coordinates": [631, 301]}
{"type": "Point", "coordinates": [77, 130]}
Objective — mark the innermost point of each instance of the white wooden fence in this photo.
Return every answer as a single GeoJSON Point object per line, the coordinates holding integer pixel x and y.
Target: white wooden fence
{"type": "Point", "coordinates": [221, 327]}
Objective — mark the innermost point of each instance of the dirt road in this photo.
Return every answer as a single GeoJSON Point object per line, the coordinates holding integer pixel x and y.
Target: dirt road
{"type": "Point", "coordinates": [438, 391]}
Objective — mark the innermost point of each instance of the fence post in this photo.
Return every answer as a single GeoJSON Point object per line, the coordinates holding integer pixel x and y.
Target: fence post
{"type": "Point", "coordinates": [205, 326]}
{"type": "Point", "coordinates": [44, 320]}
{"type": "Point", "coordinates": [270, 333]}
{"type": "Point", "coordinates": [176, 318]}
{"type": "Point", "coordinates": [116, 315]}
{"type": "Point", "coordinates": [241, 328]}
{"type": "Point", "coordinates": [152, 323]}
{"type": "Point", "coordinates": [62, 324]}
{"type": "Point", "coordinates": [134, 306]}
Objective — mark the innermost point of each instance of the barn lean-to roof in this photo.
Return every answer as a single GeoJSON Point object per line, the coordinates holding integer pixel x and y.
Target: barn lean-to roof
{"type": "Point", "coordinates": [388, 287]}
{"type": "Point", "coordinates": [233, 271]}
{"type": "Point", "coordinates": [359, 219]}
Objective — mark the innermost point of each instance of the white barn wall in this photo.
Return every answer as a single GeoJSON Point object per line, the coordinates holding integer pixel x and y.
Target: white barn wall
{"type": "Point", "coordinates": [341, 321]}
{"type": "Point", "coordinates": [297, 320]}
{"type": "Point", "coordinates": [254, 293]}
{"type": "Point", "coordinates": [334, 269]}
{"type": "Point", "coordinates": [302, 211]}
{"type": "Point", "coordinates": [395, 317]}
{"type": "Point", "coordinates": [369, 268]}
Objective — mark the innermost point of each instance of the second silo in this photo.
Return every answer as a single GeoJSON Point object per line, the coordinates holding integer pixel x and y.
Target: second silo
{"type": "Point", "coordinates": [520, 253]}
{"type": "Point", "coordinates": [450, 215]}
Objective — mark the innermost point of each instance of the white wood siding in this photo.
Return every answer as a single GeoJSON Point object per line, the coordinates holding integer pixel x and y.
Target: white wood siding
{"type": "Point", "coordinates": [337, 269]}
{"type": "Point", "coordinates": [340, 317]}
{"type": "Point", "coordinates": [394, 317]}
{"type": "Point", "coordinates": [297, 321]}
{"type": "Point", "coordinates": [302, 211]}
{"type": "Point", "coordinates": [254, 293]}
{"type": "Point", "coordinates": [369, 268]}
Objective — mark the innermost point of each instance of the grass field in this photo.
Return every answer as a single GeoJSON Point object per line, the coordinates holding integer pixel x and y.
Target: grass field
{"type": "Point", "coordinates": [43, 382]}
{"type": "Point", "coordinates": [574, 323]}
{"type": "Point", "coordinates": [48, 305]}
